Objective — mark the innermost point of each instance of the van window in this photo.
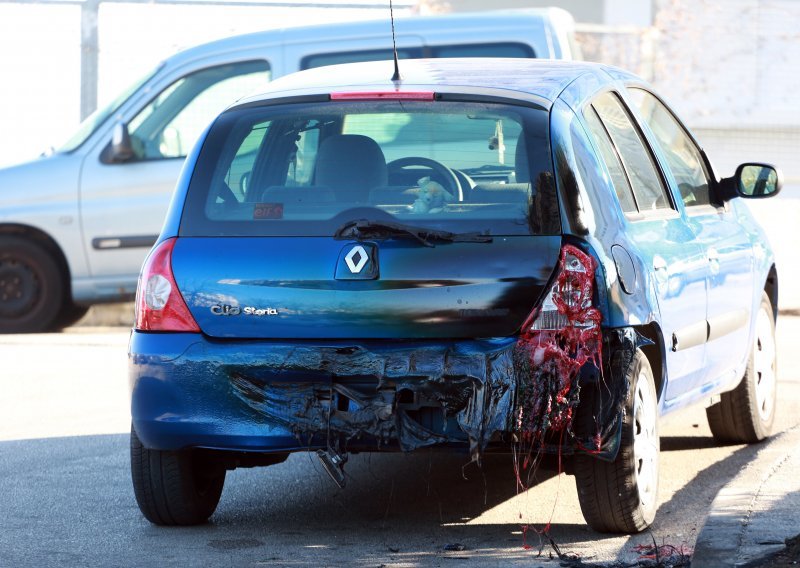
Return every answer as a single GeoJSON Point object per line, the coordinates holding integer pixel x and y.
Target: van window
{"type": "Point", "coordinates": [508, 49]}
{"type": "Point", "coordinates": [172, 122]}
{"type": "Point", "coordinates": [302, 169]}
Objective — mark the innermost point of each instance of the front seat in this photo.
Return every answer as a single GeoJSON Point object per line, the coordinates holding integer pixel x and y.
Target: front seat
{"type": "Point", "coordinates": [351, 165]}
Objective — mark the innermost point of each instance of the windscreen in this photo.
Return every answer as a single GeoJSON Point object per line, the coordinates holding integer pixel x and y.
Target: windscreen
{"type": "Point", "coordinates": [307, 169]}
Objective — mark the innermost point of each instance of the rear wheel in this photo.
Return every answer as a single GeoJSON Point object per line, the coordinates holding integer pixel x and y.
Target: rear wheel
{"type": "Point", "coordinates": [621, 496]}
{"type": "Point", "coordinates": [747, 413]}
{"type": "Point", "coordinates": [31, 291]}
{"type": "Point", "coordinates": [175, 487]}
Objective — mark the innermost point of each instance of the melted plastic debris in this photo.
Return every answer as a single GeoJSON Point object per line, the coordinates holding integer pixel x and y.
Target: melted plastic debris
{"type": "Point", "coordinates": [550, 360]}
{"type": "Point", "coordinates": [412, 395]}
{"type": "Point", "coordinates": [405, 394]}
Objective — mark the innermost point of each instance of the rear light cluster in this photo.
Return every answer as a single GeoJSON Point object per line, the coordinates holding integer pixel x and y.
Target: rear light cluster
{"type": "Point", "coordinates": [568, 302]}
{"type": "Point", "coordinates": [159, 304]}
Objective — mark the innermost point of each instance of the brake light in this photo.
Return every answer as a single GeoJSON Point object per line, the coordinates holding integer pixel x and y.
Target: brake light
{"type": "Point", "coordinates": [568, 302]}
{"type": "Point", "coordinates": [384, 95]}
{"type": "Point", "coordinates": [159, 304]}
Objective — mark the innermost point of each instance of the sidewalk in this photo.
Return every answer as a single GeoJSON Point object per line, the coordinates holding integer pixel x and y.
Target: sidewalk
{"type": "Point", "coordinates": [753, 514]}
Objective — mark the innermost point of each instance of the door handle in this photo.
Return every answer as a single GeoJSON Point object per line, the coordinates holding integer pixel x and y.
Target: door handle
{"type": "Point", "coordinates": [713, 255]}
{"type": "Point", "coordinates": [659, 263]}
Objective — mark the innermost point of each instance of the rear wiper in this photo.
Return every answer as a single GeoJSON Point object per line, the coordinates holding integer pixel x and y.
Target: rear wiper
{"type": "Point", "coordinates": [365, 229]}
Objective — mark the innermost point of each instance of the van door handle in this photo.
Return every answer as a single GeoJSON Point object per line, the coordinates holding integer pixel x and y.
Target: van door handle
{"type": "Point", "coordinates": [713, 255]}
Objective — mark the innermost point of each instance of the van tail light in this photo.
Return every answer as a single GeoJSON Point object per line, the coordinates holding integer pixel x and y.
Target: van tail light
{"type": "Point", "coordinates": [568, 302]}
{"type": "Point", "coordinates": [159, 304]}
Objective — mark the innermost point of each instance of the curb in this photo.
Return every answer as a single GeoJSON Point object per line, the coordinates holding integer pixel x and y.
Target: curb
{"type": "Point", "coordinates": [722, 542]}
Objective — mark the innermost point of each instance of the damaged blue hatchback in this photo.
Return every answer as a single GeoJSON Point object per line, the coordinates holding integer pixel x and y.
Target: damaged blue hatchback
{"type": "Point", "coordinates": [485, 254]}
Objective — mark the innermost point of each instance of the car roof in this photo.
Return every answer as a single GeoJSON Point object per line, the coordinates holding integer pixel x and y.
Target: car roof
{"type": "Point", "coordinates": [539, 81]}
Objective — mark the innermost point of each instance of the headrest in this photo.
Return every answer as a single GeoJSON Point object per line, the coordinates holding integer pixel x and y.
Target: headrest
{"type": "Point", "coordinates": [352, 163]}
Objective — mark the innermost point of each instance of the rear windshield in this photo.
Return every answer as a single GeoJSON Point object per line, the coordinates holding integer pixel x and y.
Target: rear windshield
{"type": "Point", "coordinates": [307, 169]}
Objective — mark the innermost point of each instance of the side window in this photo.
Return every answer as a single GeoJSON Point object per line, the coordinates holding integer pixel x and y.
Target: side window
{"type": "Point", "coordinates": [172, 122]}
{"type": "Point", "coordinates": [683, 156]}
{"type": "Point", "coordinates": [641, 170]}
{"type": "Point", "coordinates": [618, 177]}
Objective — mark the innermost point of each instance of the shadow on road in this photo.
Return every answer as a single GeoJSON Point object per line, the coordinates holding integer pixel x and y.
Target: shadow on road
{"type": "Point", "coordinates": [69, 501]}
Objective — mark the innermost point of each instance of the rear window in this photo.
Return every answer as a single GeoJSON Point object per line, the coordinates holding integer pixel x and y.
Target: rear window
{"type": "Point", "coordinates": [306, 169]}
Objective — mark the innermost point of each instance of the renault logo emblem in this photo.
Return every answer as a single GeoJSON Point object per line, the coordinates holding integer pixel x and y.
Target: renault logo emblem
{"type": "Point", "coordinates": [356, 259]}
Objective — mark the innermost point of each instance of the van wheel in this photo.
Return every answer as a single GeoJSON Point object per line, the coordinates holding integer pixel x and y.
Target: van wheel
{"type": "Point", "coordinates": [747, 413]}
{"type": "Point", "coordinates": [175, 487]}
{"type": "Point", "coordinates": [31, 290]}
{"type": "Point", "coordinates": [622, 496]}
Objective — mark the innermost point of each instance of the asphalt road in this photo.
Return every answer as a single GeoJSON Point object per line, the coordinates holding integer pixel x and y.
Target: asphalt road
{"type": "Point", "coordinates": [66, 498]}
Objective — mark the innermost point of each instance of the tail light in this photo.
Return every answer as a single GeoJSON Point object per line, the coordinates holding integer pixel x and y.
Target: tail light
{"type": "Point", "coordinates": [159, 304]}
{"type": "Point", "coordinates": [568, 302]}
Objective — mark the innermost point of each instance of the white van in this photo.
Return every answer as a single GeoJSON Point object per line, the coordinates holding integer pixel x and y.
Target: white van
{"type": "Point", "coordinates": [75, 226]}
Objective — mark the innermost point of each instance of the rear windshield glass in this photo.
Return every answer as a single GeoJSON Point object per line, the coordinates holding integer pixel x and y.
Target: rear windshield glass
{"type": "Point", "coordinates": [306, 169]}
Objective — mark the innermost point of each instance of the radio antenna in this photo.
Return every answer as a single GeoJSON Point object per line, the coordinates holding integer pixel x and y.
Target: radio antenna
{"type": "Point", "coordinates": [396, 76]}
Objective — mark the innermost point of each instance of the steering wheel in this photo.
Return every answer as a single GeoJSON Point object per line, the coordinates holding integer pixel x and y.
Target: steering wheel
{"type": "Point", "coordinates": [446, 175]}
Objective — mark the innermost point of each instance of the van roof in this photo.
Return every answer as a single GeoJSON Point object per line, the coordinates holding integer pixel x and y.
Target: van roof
{"type": "Point", "coordinates": [537, 80]}
{"type": "Point", "coordinates": [524, 19]}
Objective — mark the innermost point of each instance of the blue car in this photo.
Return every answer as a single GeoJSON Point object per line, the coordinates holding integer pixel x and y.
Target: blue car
{"type": "Point", "coordinates": [484, 255]}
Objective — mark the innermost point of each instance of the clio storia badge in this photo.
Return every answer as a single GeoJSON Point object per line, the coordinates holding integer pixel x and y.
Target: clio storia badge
{"type": "Point", "coordinates": [357, 261]}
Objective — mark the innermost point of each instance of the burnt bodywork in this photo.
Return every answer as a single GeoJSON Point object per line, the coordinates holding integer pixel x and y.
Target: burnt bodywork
{"type": "Point", "coordinates": [406, 395]}
{"type": "Point", "coordinates": [360, 396]}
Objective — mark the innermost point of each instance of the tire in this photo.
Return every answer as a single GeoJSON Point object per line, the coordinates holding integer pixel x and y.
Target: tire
{"type": "Point", "coordinates": [747, 413]}
{"type": "Point", "coordinates": [622, 496]}
{"type": "Point", "coordinates": [175, 487]}
{"type": "Point", "coordinates": [31, 290]}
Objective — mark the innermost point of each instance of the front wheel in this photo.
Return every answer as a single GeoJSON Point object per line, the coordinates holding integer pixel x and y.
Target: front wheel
{"type": "Point", "coordinates": [747, 413]}
{"type": "Point", "coordinates": [175, 487]}
{"type": "Point", "coordinates": [621, 496]}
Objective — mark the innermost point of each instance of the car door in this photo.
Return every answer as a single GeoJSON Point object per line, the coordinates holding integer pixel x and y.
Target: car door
{"type": "Point", "coordinates": [662, 237]}
{"type": "Point", "coordinates": [726, 246]}
{"type": "Point", "coordinates": [123, 203]}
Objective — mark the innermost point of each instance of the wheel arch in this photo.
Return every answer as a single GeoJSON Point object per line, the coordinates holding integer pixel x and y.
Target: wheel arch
{"type": "Point", "coordinates": [655, 354]}
{"type": "Point", "coordinates": [48, 244]}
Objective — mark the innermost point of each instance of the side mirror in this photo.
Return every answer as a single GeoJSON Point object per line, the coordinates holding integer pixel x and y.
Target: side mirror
{"type": "Point", "coordinates": [121, 146]}
{"type": "Point", "coordinates": [756, 181]}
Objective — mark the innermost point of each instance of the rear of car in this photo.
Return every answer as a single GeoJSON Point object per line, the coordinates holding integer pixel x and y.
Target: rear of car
{"type": "Point", "coordinates": [353, 263]}
{"type": "Point", "coordinates": [349, 271]}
